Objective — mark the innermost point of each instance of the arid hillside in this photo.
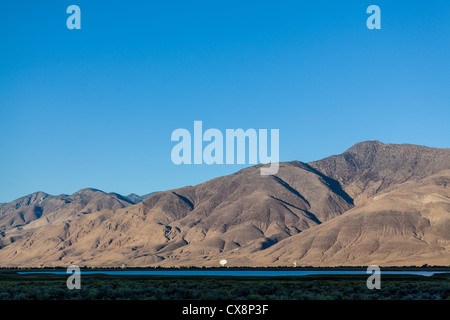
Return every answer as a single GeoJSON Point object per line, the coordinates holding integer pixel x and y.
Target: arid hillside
{"type": "Point", "coordinates": [376, 203]}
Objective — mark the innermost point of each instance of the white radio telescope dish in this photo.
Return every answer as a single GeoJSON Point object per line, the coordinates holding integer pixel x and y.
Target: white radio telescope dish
{"type": "Point", "coordinates": [223, 262]}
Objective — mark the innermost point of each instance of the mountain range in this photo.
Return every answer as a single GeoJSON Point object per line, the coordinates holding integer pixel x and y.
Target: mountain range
{"type": "Point", "coordinates": [383, 204]}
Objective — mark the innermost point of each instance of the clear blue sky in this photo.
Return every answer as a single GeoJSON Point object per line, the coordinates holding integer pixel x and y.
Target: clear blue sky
{"type": "Point", "coordinates": [96, 107]}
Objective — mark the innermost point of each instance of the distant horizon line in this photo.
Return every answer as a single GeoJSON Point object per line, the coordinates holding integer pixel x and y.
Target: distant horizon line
{"type": "Point", "coordinates": [246, 167]}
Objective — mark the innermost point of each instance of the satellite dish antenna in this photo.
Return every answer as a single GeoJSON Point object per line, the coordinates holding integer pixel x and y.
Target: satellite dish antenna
{"type": "Point", "coordinates": [223, 262]}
